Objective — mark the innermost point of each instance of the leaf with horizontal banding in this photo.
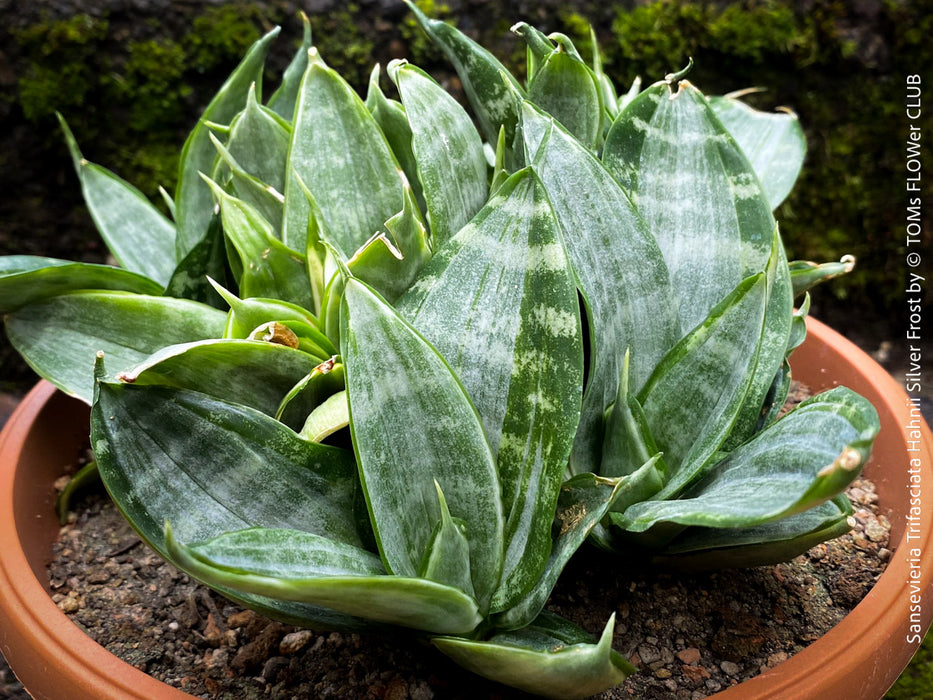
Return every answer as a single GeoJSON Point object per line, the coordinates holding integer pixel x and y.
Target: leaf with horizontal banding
{"type": "Point", "coordinates": [500, 305]}
{"type": "Point", "coordinates": [670, 144]}
{"type": "Point", "coordinates": [139, 236]}
{"type": "Point", "coordinates": [413, 424]}
{"type": "Point", "coordinates": [804, 459]}
{"type": "Point", "coordinates": [193, 199]}
{"type": "Point", "coordinates": [342, 157]}
{"type": "Point", "coordinates": [712, 368]}
{"type": "Point", "coordinates": [773, 142]}
{"type": "Point", "coordinates": [619, 269]}
{"type": "Point", "coordinates": [489, 86]}
{"type": "Point", "coordinates": [252, 373]}
{"type": "Point", "coordinates": [25, 279]}
{"type": "Point", "coordinates": [668, 147]}
{"type": "Point", "coordinates": [448, 151]}
{"type": "Point", "coordinates": [59, 337]}
{"type": "Point", "coordinates": [210, 467]}
{"type": "Point", "coordinates": [550, 657]}
{"type": "Point", "coordinates": [298, 566]}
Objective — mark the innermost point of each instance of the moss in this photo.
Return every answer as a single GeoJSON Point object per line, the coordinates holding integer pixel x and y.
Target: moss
{"type": "Point", "coordinates": [49, 83]}
{"type": "Point", "coordinates": [222, 33]}
{"type": "Point", "coordinates": [343, 46]}
{"type": "Point", "coordinates": [153, 84]}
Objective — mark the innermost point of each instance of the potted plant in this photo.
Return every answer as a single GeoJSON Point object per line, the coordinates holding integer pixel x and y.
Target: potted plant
{"type": "Point", "coordinates": [351, 381]}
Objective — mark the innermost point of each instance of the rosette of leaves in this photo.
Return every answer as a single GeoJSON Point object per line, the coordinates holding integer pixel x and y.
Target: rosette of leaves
{"type": "Point", "coordinates": [664, 199]}
{"type": "Point", "coordinates": [367, 375]}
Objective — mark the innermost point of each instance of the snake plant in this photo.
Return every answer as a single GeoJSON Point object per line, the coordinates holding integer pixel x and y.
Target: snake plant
{"type": "Point", "coordinates": [381, 367]}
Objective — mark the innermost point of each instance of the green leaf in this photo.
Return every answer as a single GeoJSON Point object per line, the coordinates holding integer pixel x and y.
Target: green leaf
{"type": "Point", "coordinates": [666, 145]}
{"type": "Point", "coordinates": [85, 476]}
{"type": "Point", "coordinates": [327, 418]}
{"type": "Point", "coordinates": [252, 373]}
{"type": "Point", "coordinates": [805, 274]}
{"type": "Point", "coordinates": [804, 459]}
{"type": "Point", "coordinates": [538, 47]}
{"type": "Point", "coordinates": [692, 399]}
{"type": "Point", "coordinates": [343, 158]}
{"type": "Point", "coordinates": [392, 258]}
{"type": "Point", "coordinates": [212, 467]}
{"type": "Point", "coordinates": [207, 260]}
{"type": "Point", "coordinates": [503, 284]}
{"type": "Point", "coordinates": [550, 657]}
{"type": "Point", "coordinates": [412, 425]}
{"type": "Point", "coordinates": [392, 120]}
{"type": "Point", "coordinates": [297, 566]}
{"type": "Point", "coordinates": [270, 268]}
{"type": "Point", "coordinates": [26, 279]}
{"type": "Point", "coordinates": [773, 142]}
{"type": "Point", "coordinates": [447, 558]}
{"type": "Point", "coordinates": [619, 269]}
{"type": "Point", "coordinates": [323, 381]}
{"type": "Point", "coordinates": [448, 151]}
{"type": "Point", "coordinates": [628, 442]}
{"type": "Point", "coordinates": [285, 97]}
{"type": "Point", "coordinates": [60, 337]}
{"type": "Point", "coordinates": [612, 104]}
{"type": "Point", "coordinates": [772, 351]}
{"type": "Point", "coordinates": [565, 88]}
{"type": "Point", "coordinates": [193, 197]}
{"type": "Point", "coordinates": [701, 548]}
{"type": "Point", "coordinates": [268, 201]}
{"type": "Point", "coordinates": [259, 141]}
{"type": "Point", "coordinates": [669, 146]}
{"type": "Point", "coordinates": [584, 500]}
{"type": "Point", "coordinates": [139, 236]}
{"type": "Point", "coordinates": [490, 88]}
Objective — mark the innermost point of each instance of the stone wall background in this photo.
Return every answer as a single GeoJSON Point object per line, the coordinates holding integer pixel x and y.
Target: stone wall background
{"type": "Point", "coordinates": [132, 76]}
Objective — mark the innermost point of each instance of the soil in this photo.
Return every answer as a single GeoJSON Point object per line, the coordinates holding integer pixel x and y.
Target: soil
{"type": "Point", "coordinates": [689, 635]}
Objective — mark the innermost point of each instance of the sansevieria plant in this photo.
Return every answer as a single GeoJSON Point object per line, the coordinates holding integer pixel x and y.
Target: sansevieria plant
{"type": "Point", "coordinates": [382, 367]}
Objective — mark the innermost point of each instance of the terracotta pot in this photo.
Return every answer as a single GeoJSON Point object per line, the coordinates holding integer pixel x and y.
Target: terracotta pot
{"type": "Point", "coordinates": [863, 655]}
{"type": "Point", "coordinates": [52, 657]}
{"type": "Point", "coordinates": [860, 658]}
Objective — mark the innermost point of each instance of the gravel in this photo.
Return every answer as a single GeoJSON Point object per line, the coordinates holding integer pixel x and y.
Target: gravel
{"type": "Point", "coordinates": [689, 635]}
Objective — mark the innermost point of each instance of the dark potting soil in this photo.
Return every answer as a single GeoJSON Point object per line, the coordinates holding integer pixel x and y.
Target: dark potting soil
{"type": "Point", "coordinates": [689, 635]}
